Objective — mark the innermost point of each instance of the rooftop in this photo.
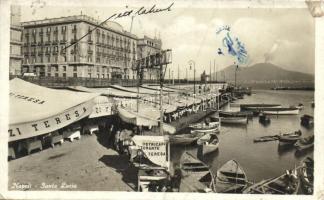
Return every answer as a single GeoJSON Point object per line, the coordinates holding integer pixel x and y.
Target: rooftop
{"type": "Point", "coordinates": [110, 25]}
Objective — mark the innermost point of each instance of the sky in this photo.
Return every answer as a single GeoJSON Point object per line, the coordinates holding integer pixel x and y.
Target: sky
{"type": "Point", "coordinates": [281, 36]}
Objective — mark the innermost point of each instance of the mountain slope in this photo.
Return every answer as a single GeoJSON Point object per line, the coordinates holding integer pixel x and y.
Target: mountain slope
{"type": "Point", "coordinates": [262, 72]}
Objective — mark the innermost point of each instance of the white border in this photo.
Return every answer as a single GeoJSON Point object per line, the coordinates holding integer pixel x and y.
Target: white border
{"type": "Point", "coordinates": [4, 62]}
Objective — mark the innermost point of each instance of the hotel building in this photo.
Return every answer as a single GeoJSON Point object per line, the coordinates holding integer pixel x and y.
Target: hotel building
{"type": "Point", "coordinates": [73, 47]}
{"type": "Point", "coordinates": [147, 46]}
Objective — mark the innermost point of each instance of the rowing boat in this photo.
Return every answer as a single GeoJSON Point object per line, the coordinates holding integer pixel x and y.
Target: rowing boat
{"type": "Point", "coordinates": [289, 138]}
{"type": "Point", "coordinates": [209, 143]}
{"type": "Point", "coordinates": [235, 114]}
{"type": "Point", "coordinates": [287, 183]}
{"type": "Point", "coordinates": [183, 139]}
{"type": "Point", "coordinates": [306, 173]}
{"type": "Point", "coordinates": [234, 120]}
{"type": "Point", "coordinates": [305, 143]}
{"type": "Point", "coordinates": [195, 175]}
{"type": "Point", "coordinates": [231, 178]}
{"type": "Point", "coordinates": [205, 127]}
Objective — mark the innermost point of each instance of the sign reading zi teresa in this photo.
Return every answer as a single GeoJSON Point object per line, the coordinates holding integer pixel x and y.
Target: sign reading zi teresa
{"type": "Point", "coordinates": [50, 124]}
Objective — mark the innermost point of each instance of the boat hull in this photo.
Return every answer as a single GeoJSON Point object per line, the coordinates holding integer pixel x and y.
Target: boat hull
{"type": "Point", "coordinates": [231, 178]}
{"type": "Point", "coordinates": [234, 120]}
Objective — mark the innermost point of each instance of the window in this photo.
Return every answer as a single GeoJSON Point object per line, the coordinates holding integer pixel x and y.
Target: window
{"type": "Point", "coordinates": [56, 68]}
{"type": "Point", "coordinates": [48, 68]}
{"type": "Point", "coordinates": [64, 75]}
{"type": "Point", "coordinates": [63, 29]}
{"type": "Point", "coordinates": [64, 68]}
{"type": "Point", "coordinates": [75, 68]}
{"type": "Point", "coordinates": [56, 74]}
{"type": "Point", "coordinates": [75, 75]}
{"type": "Point", "coordinates": [48, 58]}
{"type": "Point", "coordinates": [49, 74]}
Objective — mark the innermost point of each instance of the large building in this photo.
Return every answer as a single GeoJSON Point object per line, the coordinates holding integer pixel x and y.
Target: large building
{"type": "Point", "coordinates": [15, 41]}
{"type": "Point", "coordinates": [73, 47]}
{"type": "Point", "coordinates": [147, 46]}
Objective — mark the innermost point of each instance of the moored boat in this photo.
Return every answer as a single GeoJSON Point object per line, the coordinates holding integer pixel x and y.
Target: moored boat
{"type": "Point", "coordinates": [153, 179]}
{"type": "Point", "coordinates": [266, 138]}
{"type": "Point", "coordinates": [234, 120]}
{"type": "Point", "coordinates": [196, 175]}
{"type": "Point", "coordinates": [306, 173]}
{"type": "Point", "coordinates": [184, 139]}
{"type": "Point", "coordinates": [289, 138]}
{"type": "Point", "coordinates": [305, 143]}
{"type": "Point", "coordinates": [274, 111]}
{"type": "Point", "coordinates": [235, 114]}
{"type": "Point", "coordinates": [209, 143]}
{"type": "Point", "coordinates": [231, 178]}
{"type": "Point", "coordinates": [251, 107]}
{"type": "Point", "coordinates": [287, 183]}
{"type": "Point", "coordinates": [281, 111]}
{"type": "Point", "coordinates": [205, 127]}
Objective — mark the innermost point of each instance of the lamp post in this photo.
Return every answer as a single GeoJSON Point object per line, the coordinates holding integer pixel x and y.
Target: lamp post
{"type": "Point", "coordinates": [194, 64]}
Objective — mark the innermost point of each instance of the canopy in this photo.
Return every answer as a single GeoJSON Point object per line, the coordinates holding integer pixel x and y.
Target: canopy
{"type": "Point", "coordinates": [106, 91]}
{"type": "Point", "coordinates": [146, 117]}
{"type": "Point", "coordinates": [36, 110]}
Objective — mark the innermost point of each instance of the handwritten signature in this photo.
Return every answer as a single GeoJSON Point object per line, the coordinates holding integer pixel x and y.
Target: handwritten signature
{"type": "Point", "coordinates": [141, 11]}
{"type": "Point", "coordinates": [234, 48]}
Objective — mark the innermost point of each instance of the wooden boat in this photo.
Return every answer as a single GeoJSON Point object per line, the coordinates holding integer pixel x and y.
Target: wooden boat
{"type": "Point", "coordinates": [287, 183]}
{"type": "Point", "coordinates": [306, 174]}
{"type": "Point", "coordinates": [281, 111]}
{"type": "Point", "coordinates": [235, 114]}
{"type": "Point", "coordinates": [196, 175]}
{"type": "Point", "coordinates": [305, 143]}
{"type": "Point", "coordinates": [231, 178]}
{"type": "Point", "coordinates": [205, 127]}
{"type": "Point", "coordinates": [266, 138]}
{"type": "Point", "coordinates": [251, 107]}
{"type": "Point", "coordinates": [184, 139]}
{"type": "Point", "coordinates": [209, 143]}
{"type": "Point", "coordinates": [307, 120]}
{"type": "Point", "coordinates": [153, 179]}
{"type": "Point", "coordinates": [234, 120]}
{"type": "Point", "coordinates": [289, 138]}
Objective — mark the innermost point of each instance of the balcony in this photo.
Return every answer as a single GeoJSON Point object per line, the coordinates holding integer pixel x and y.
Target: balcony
{"type": "Point", "coordinates": [55, 42]}
{"type": "Point", "coordinates": [62, 41]}
{"type": "Point", "coordinates": [47, 42]}
{"type": "Point", "coordinates": [40, 52]}
{"type": "Point", "coordinates": [90, 41]}
{"type": "Point", "coordinates": [33, 44]}
{"type": "Point", "coordinates": [90, 51]}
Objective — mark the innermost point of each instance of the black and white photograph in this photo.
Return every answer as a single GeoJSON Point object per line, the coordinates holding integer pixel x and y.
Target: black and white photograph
{"type": "Point", "coordinates": [162, 97]}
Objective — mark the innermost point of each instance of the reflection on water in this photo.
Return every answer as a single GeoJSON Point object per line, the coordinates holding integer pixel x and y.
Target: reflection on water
{"type": "Point", "coordinates": [265, 159]}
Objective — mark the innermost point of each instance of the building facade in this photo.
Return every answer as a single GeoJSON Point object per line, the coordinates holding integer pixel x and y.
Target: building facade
{"type": "Point", "coordinates": [73, 47]}
{"type": "Point", "coordinates": [15, 41]}
{"type": "Point", "coordinates": [147, 46]}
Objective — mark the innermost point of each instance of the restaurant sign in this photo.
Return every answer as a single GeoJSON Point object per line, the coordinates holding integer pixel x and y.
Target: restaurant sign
{"type": "Point", "coordinates": [50, 124]}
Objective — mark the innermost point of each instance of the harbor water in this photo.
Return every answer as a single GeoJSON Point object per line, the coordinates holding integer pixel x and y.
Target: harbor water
{"type": "Point", "coordinates": [265, 159]}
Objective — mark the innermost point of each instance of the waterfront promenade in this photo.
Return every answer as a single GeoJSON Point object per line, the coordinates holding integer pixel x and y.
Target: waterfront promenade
{"type": "Point", "coordinates": [88, 165]}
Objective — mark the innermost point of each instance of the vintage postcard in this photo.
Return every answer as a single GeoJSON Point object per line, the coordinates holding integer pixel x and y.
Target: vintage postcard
{"type": "Point", "coordinates": [162, 99]}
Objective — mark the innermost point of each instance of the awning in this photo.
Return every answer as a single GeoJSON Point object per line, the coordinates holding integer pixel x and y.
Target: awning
{"type": "Point", "coordinates": [36, 110]}
{"type": "Point", "coordinates": [106, 91]}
